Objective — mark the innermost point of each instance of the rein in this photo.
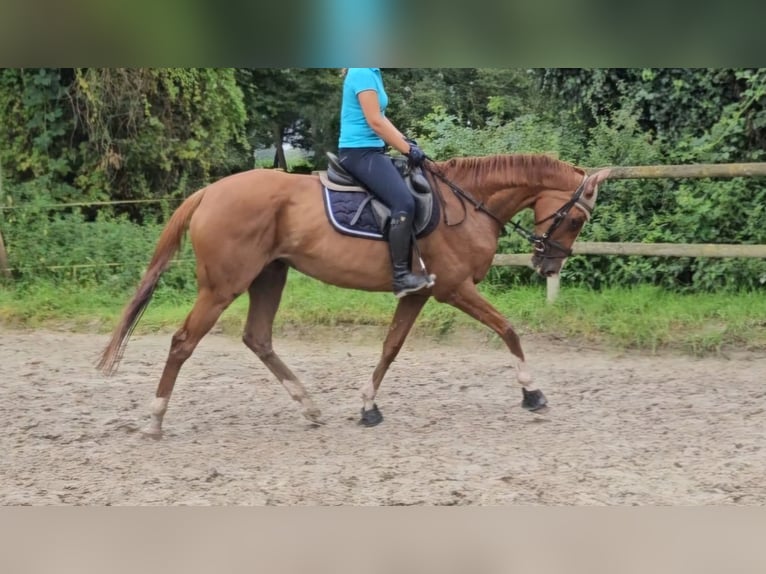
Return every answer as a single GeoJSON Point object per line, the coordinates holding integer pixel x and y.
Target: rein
{"type": "Point", "coordinates": [463, 196]}
{"type": "Point", "coordinates": [541, 243]}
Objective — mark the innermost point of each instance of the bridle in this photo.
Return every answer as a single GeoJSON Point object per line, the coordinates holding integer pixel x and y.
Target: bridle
{"type": "Point", "coordinates": [542, 244]}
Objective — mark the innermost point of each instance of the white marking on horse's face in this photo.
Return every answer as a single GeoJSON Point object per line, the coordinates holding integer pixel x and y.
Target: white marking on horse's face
{"type": "Point", "coordinates": [587, 204]}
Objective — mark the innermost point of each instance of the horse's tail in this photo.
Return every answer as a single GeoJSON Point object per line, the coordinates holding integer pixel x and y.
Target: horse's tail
{"type": "Point", "coordinates": [168, 245]}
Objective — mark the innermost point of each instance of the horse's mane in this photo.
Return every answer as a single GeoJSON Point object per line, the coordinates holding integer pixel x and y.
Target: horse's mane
{"type": "Point", "coordinates": [498, 171]}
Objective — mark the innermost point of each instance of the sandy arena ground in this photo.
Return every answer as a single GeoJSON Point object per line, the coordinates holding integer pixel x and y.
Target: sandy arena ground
{"type": "Point", "coordinates": [623, 429]}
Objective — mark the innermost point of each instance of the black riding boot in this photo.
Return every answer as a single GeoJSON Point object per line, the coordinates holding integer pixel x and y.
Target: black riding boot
{"type": "Point", "coordinates": [399, 241]}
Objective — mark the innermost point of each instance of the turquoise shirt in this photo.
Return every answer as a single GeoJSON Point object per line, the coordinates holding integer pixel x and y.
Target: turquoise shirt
{"type": "Point", "coordinates": [354, 129]}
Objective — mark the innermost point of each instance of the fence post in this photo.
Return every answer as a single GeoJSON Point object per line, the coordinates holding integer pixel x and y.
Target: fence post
{"type": "Point", "coordinates": [552, 285]}
{"type": "Point", "coordinates": [3, 254]}
{"type": "Point", "coordinates": [3, 259]}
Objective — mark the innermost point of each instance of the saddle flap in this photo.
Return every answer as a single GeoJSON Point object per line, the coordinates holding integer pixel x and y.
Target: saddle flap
{"type": "Point", "coordinates": [327, 181]}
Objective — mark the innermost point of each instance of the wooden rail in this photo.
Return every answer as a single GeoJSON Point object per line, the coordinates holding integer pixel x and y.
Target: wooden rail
{"type": "Point", "coordinates": [698, 170]}
{"type": "Point", "coordinates": [647, 250]}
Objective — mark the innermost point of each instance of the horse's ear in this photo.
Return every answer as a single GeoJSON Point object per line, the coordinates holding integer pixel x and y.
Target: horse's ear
{"type": "Point", "coordinates": [594, 180]}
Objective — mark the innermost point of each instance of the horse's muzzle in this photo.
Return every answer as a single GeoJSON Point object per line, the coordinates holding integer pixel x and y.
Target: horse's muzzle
{"type": "Point", "coordinates": [547, 266]}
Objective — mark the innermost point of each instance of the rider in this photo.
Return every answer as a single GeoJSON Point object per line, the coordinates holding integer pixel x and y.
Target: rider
{"type": "Point", "coordinates": [364, 131]}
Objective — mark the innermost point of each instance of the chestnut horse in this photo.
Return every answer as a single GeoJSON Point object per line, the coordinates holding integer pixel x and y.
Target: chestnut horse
{"type": "Point", "coordinates": [248, 229]}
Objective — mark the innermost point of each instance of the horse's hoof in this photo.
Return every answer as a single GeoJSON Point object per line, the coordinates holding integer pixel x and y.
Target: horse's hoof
{"type": "Point", "coordinates": [371, 417]}
{"type": "Point", "coordinates": [314, 415]}
{"type": "Point", "coordinates": [534, 401]}
{"type": "Point", "coordinates": [151, 432]}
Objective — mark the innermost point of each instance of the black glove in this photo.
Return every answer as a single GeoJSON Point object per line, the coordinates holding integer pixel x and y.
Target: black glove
{"type": "Point", "coordinates": [416, 155]}
{"type": "Point", "coordinates": [410, 141]}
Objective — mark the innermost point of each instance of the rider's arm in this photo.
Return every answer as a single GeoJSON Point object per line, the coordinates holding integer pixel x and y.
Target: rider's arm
{"type": "Point", "coordinates": [379, 123]}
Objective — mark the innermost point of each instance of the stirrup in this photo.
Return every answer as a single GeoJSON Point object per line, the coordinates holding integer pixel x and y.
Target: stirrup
{"type": "Point", "coordinates": [427, 281]}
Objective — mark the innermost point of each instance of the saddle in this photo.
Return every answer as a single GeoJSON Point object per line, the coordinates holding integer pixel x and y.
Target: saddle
{"type": "Point", "coordinates": [349, 202]}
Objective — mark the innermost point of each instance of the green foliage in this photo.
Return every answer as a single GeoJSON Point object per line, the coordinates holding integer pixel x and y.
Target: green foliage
{"type": "Point", "coordinates": [703, 115]}
{"type": "Point", "coordinates": [442, 135]}
{"type": "Point", "coordinates": [472, 96]}
{"type": "Point", "coordinates": [116, 133]}
{"type": "Point", "coordinates": [151, 131]}
{"type": "Point", "coordinates": [34, 124]}
{"type": "Point", "coordinates": [47, 243]}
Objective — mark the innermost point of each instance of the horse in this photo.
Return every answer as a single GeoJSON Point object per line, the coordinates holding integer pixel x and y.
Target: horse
{"type": "Point", "coordinates": [248, 229]}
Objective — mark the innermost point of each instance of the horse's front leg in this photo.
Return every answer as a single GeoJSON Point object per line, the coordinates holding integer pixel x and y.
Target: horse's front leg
{"type": "Point", "coordinates": [407, 311]}
{"type": "Point", "coordinates": [469, 300]}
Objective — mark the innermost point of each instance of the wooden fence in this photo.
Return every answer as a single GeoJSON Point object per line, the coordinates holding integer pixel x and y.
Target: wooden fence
{"type": "Point", "coordinates": [658, 249]}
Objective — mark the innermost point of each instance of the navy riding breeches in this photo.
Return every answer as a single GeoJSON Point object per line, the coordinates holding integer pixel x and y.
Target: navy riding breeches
{"type": "Point", "coordinates": [375, 170]}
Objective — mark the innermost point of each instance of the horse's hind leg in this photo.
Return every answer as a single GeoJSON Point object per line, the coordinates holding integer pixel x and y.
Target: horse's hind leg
{"type": "Point", "coordinates": [406, 313]}
{"type": "Point", "coordinates": [207, 308]}
{"type": "Point", "coordinates": [265, 294]}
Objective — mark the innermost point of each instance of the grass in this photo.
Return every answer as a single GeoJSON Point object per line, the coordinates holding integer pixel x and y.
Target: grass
{"type": "Point", "coordinates": [642, 317]}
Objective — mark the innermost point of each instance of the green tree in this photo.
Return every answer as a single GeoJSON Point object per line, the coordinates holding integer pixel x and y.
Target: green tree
{"type": "Point", "coordinates": [296, 105]}
{"type": "Point", "coordinates": [473, 96]}
{"type": "Point", "coordinates": [34, 124]}
{"type": "Point", "coordinates": [120, 133]}
{"type": "Point", "coordinates": [698, 114]}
